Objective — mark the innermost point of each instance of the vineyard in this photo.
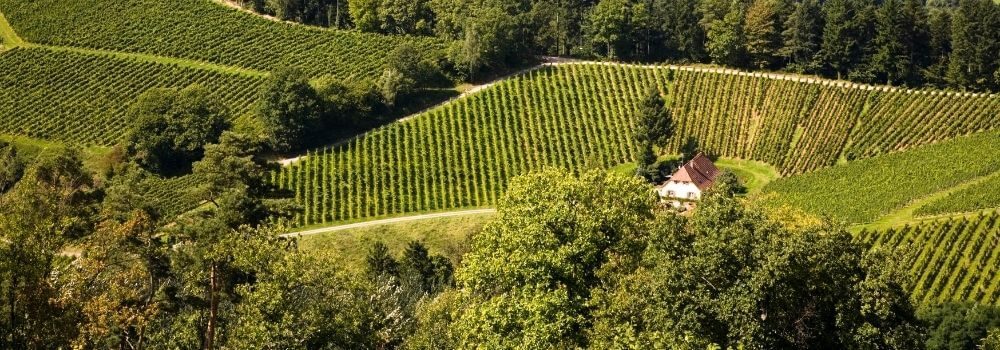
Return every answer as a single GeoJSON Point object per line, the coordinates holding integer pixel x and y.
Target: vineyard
{"type": "Point", "coordinates": [983, 195]}
{"type": "Point", "coordinates": [203, 31]}
{"type": "Point", "coordinates": [65, 96]}
{"type": "Point", "coordinates": [580, 116]}
{"type": "Point", "coordinates": [949, 260]}
{"type": "Point", "coordinates": [861, 191]}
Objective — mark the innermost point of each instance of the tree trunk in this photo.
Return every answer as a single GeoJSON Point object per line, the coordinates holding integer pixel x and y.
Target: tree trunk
{"type": "Point", "coordinates": [212, 309]}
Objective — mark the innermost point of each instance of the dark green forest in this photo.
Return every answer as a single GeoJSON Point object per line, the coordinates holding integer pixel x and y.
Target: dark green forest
{"type": "Point", "coordinates": [953, 44]}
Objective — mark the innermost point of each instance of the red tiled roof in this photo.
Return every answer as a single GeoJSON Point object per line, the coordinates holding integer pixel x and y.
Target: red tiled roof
{"type": "Point", "coordinates": [700, 171]}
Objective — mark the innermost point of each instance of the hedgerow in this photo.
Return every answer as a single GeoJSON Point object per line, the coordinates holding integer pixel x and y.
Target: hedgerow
{"type": "Point", "coordinates": [65, 96]}
{"type": "Point", "coordinates": [204, 31]}
{"type": "Point", "coordinates": [949, 260]}
{"type": "Point", "coordinates": [581, 116]}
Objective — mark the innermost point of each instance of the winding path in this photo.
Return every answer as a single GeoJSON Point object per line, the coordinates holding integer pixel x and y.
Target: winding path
{"type": "Point", "coordinates": [391, 221]}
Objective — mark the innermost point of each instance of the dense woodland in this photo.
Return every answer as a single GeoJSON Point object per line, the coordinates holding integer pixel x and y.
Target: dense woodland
{"type": "Point", "coordinates": [898, 42]}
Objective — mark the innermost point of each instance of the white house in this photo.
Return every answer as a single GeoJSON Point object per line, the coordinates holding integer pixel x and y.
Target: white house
{"type": "Point", "coordinates": [686, 185]}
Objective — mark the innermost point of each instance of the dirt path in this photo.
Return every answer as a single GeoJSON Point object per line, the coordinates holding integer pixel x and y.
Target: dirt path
{"type": "Point", "coordinates": [390, 221]}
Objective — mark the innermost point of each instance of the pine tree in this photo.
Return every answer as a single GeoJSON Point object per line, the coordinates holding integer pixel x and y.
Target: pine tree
{"type": "Point", "coordinates": [846, 34]}
{"type": "Point", "coordinates": [802, 36]}
{"type": "Point", "coordinates": [938, 47]}
{"type": "Point", "coordinates": [655, 129]}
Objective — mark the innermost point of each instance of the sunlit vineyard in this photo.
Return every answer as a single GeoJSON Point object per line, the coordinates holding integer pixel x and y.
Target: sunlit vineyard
{"type": "Point", "coordinates": [201, 30]}
{"type": "Point", "coordinates": [581, 116]}
{"type": "Point", "coordinates": [66, 96]}
{"type": "Point", "coordinates": [861, 191]}
{"type": "Point", "coordinates": [983, 195]}
{"type": "Point", "coordinates": [949, 260]}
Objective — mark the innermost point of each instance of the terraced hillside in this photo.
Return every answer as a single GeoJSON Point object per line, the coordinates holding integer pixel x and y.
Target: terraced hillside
{"type": "Point", "coordinates": [82, 98]}
{"type": "Point", "coordinates": [203, 31]}
{"type": "Point", "coordinates": [578, 116]}
{"type": "Point", "coordinates": [950, 260]}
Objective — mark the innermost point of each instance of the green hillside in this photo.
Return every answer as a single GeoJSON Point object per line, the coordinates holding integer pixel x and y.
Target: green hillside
{"type": "Point", "coordinates": [66, 96]}
{"type": "Point", "coordinates": [983, 195]}
{"type": "Point", "coordinates": [580, 116]}
{"type": "Point", "coordinates": [950, 260]}
{"type": "Point", "coordinates": [859, 192]}
{"type": "Point", "coordinates": [203, 31]}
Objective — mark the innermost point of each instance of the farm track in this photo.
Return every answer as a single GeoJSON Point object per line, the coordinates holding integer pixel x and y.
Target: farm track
{"type": "Point", "coordinates": [390, 221]}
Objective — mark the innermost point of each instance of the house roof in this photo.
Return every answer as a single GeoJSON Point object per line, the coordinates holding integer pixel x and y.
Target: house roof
{"type": "Point", "coordinates": [700, 171]}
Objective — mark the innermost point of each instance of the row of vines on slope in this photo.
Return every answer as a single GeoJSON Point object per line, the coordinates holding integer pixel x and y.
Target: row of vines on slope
{"type": "Point", "coordinates": [580, 116]}
{"type": "Point", "coordinates": [203, 31]}
{"type": "Point", "coordinates": [951, 260]}
{"type": "Point", "coordinates": [983, 195]}
{"type": "Point", "coordinates": [65, 96]}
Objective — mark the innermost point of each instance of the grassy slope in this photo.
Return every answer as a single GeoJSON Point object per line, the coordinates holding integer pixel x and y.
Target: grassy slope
{"type": "Point", "coordinates": [204, 31]}
{"type": "Point", "coordinates": [8, 38]}
{"type": "Point", "coordinates": [445, 236]}
{"type": "Point", "coordinates": [862, 191]}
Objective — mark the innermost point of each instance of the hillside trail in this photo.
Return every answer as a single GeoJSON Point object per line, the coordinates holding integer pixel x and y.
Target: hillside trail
{"type": "Point", "coordinates": [329, 229]}
{"type": "Point", "coordinates": [905, 215]}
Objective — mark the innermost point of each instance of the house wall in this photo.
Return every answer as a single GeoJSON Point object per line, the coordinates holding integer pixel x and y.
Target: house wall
{"type": "Point", "coordinates": [680, 189]}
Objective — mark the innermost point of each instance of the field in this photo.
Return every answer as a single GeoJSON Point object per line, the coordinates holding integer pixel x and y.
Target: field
{"type": "Point", "coordinates": [861, 191]}
{"type": "Point", "coordinates": [82, 98]}
{"type": "Point", "coordinates": [200, 30]}
{"type": "Point", "coordinates": [580, 116]}
{"type": "Point", "coordinates": [950, 260]}
{"type": "Point", "coordinates": [983, 195]}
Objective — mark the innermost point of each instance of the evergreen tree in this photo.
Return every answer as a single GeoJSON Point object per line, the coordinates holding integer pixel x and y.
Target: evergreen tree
{"type": "Point", "coordinates": [683, 37]}
{"type": "Point", "coordinates": [724, 40]}
{"type": "Point", "coordinates": [975, 42]}
{"type": "Point", "coordinates": [898, 31]}
{"type": "Point", "coordinates": [802, 36]}
{"type": "Point", "coordinates": [938, 47]}
{"type": "Point", "coordinates": [655, 129]}
{"type": "Point", "coordinates": [846, 34]}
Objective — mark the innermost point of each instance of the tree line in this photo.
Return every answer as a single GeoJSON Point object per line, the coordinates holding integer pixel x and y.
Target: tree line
{"type": "Point", "coordinates": [945, 44]}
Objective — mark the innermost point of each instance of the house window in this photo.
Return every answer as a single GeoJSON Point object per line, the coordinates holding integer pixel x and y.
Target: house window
{"type": "Point", "coordinates": [671, 194]}
{"type": "Point", "coordinates": [691, 195]}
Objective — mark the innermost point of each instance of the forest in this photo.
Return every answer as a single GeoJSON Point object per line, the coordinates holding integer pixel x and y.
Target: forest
{"type": "Point", "coordinates": [940, 43]}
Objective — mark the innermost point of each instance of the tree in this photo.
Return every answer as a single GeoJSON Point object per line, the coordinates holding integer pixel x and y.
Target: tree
{"type": "Point", "coordinates": [53, 203]}
{"type": "Point", "coordinates": [684, 38]}
{"type": "Point", "coordinates": [289, 110]}
{"type": "Point", "coordinates": [958, 326]}
{"type": "Point", "coordinates": [899, 41]}
{"type": "Point", "coordinates": [364, 14]}
{"type": "Point", "coordinates": [846, 35]}
{"type": "Point", "coordinates": [714, 280]}
{"type": "Point", "coordinates": [655, 129]}
{"type": "Point", "coordinates": [11, 167]}
{"type": "Point", "coordinates": [608, 26]}
{"type": "Point", "coordinates": [724, 36]}
{"type": "Point", "coordinates": [116, 282]}
{"type": "Point", "coordinates": [763, 32]}
{"type": "Point", "coordinates": [939, 47]}
{"type": "Point", "coordinates": [726, 184]}
{"type": "Point", "coordinates": [380, 262]}
{"type": "Point", "coordinates": [975, 44]}
{"type": "Point", "coordinates": [802, 36]}
{"type": "Point", "coordinates": [171, 128]}
{"type": "Point", "coordinates": [529, 276]}
{"type": "Point", "coordinates": [405, 17]}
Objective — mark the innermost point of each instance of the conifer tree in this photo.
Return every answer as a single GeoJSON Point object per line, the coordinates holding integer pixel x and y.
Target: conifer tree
{"type": "Point", "coordinates": [802, 36]}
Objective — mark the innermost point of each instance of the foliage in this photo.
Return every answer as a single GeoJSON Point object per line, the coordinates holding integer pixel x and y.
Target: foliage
{"type": "Point", "coordinates": [952, 260]}
{"type": "Point", "coordinates": [858, 192]}
{"type": "Point", "coordinates": [583, 116]}
{"type": "Point", "coordinates": [11, 167]}
{"type": "Point", "coordinates": [171, 128]}
{"type": "Point", "coordinates": [655, 128]}
{"type": "Point", "coordinates": [290, 110]}
{"type": "Point", "coordinates": [958, 326]}
{"type": "Point", "coordinates": [204, 31]}
{"type": "Point", "coordinates": [83, 98]}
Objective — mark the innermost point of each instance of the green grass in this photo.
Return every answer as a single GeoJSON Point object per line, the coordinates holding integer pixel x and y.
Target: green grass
{"type": "Point", "coordinates": [950, 260]}
{"type": "Point", "coordinates": [984, 194]}
{"type": "Point", "coordinates": [203, 31]}
{"type": "Point", "coordinates": [67, 96]}
{"type": "Point", "coordinates": [862, 191]}
{"type": "Point", "coordinates": [448, 236]}
{"type": "Point", "coordinates": [8, 38]}
{"type": "Point", "coordinates": [581, 116]}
